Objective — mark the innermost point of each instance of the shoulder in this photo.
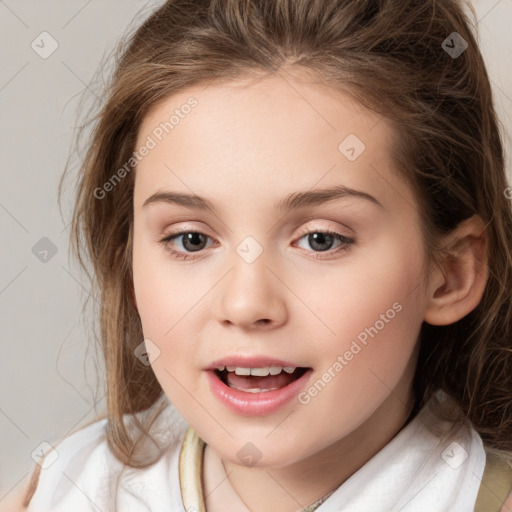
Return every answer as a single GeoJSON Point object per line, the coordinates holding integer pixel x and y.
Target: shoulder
{"type": "Point", "coordinates": [64, 469]}
{"type": "Point", "coordinates": [81, 473]}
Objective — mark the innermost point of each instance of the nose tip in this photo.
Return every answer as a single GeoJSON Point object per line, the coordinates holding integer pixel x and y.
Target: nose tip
{"type": "Point", "coordinates": [250, 296]}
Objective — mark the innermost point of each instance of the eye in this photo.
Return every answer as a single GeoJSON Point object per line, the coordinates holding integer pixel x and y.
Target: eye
{"type": "Point", "coordinates": [195, 241]}
{"type": "Point", "coordinates": [322, 241]}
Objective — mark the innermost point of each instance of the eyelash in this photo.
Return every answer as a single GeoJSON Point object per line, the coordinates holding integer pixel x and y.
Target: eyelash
{"type": "Point", "coordinates": [345, 247]}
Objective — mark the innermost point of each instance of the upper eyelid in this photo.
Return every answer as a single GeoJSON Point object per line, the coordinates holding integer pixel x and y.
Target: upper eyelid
{"type": "Point", "coordinates": [305, 230]}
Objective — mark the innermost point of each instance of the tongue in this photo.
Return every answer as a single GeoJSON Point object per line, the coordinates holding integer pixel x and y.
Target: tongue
{"type": "Point", "coordinates": [252, 382]}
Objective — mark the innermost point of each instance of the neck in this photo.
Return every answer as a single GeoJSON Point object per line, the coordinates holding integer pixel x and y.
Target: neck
{"type": "Point", "coordinates": [293, 488]}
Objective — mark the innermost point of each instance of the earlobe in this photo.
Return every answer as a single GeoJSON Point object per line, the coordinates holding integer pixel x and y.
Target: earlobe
{"type": "Point", "coordinates": [457, 285]}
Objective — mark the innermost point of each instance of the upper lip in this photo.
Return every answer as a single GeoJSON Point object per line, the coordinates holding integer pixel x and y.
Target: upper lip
{"type": "Point", "coordinates": [250, 362]}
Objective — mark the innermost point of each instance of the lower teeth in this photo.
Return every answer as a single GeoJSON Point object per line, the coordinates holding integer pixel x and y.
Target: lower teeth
{"type": "Point", "coordinates": [256, 390]}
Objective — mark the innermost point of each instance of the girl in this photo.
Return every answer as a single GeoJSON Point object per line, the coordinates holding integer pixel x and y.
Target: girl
{"type": "Point", "coordinates": [299, 222]}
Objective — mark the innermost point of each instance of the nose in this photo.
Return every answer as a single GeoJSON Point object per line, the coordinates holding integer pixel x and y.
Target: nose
{"type": "Point", "coordinates": [252, 296]}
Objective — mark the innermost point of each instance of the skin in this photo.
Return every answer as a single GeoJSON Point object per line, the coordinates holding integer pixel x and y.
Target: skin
{"type": "Point", "coordinates": [248, 144]}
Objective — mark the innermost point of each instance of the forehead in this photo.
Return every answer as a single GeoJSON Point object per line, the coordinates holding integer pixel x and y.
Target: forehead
{"type": "Point", "coordinates": [267, 103]}
{"type": "Point", "coordinates": [254, 135]}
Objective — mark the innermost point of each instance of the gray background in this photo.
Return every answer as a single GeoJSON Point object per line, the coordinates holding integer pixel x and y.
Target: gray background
{"type": "Point", "coordinates": [47, 372]}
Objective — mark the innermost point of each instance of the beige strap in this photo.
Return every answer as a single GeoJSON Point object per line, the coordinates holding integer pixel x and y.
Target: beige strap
{"type": "Point", "coordinates": [190, 470]}
{"type": "Point", "coordinates": [496, 485]}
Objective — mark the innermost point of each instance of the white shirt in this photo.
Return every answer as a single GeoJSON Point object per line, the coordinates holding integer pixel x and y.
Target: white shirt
{"type": "Point", "coordinates": [424, 468]}
{"type": "Point", "coordinates": [84, 476]}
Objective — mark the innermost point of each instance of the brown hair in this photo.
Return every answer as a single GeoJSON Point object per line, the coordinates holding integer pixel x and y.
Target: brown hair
{"type": "Point", "coordinates": [389, 55]}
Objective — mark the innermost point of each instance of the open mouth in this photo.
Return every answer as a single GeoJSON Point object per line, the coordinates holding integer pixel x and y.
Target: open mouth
{"type": "Point", "coordinates": [259, 380]}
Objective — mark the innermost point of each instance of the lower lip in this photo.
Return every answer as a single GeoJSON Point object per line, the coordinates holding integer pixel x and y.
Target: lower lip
{"type": "Point", "coordinates": [256, 404]}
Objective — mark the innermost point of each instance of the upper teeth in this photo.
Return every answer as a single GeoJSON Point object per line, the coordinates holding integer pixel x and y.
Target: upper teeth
{"type": "Point", "coordinates": [258, 372]}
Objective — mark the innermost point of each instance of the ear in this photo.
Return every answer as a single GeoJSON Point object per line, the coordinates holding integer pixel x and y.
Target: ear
{"type": "Point", "coordinates": [457, 284]}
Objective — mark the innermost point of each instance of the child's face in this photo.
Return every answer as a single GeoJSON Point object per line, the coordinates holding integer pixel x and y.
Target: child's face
{"type": "Point", "coordinates": [252, 287]}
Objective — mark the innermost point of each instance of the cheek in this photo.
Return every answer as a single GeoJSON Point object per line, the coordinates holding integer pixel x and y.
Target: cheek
{"type": "Point", "coordinates": [164, 307]}
{"type": "Point", "coordinates": [167, 314]}
{"type": "Point", "coordinates": [171, 303]}
{"type": "Point", "coordinates": [384, 281]}
{"type": "Point", "coordinates": [374, 315]}
{"type": "Point", "coordinates": [376, 319]}
{"type": "Point", "coordinates": [159, 292]}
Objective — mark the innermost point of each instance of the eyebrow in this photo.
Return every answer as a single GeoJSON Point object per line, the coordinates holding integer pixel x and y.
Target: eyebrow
{"type": "Point", "coordinates": [292, 201]}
